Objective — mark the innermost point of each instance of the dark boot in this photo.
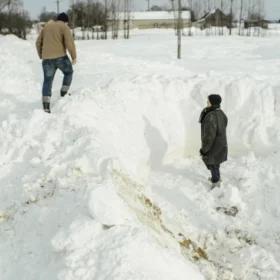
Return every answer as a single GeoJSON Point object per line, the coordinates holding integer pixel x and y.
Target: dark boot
{"type": "Point", "coordinates": [63, 93]}
{"type": "Point", "coordinates": [46, 106]}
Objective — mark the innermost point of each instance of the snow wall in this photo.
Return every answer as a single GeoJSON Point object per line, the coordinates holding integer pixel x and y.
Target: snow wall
{"type": "Point", "coordinates": [141, 123]}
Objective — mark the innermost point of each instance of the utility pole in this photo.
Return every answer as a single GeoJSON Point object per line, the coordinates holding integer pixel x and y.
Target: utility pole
{"type": "Point", "coordinates": [179, 30]}
{"type": "Point", "coordinates": [57, 6]}
{"type": "Point", "coordinates": [148, 5]}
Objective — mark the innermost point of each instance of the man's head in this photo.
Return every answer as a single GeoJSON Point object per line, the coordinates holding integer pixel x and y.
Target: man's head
{"type": "Point", "coordinates": [214, 100]}
{"type": "Point", "coordinates": [63, 17]}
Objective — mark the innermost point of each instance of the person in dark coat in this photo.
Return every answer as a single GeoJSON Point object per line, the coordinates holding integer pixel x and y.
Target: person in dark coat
{"type": "Point", "coordinates": [214, 149]}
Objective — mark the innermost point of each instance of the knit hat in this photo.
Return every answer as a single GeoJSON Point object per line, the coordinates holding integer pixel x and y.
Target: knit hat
{"type": "Point", "coordinates": [215, 99]}
{"type": "Point", "coordinates": [63, 17]}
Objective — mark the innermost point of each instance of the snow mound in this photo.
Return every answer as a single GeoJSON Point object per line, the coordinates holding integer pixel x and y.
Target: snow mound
{"type": "Point", "coordinates": [117, 253]}
{"type": "Point", "coordinates": [106, 207]}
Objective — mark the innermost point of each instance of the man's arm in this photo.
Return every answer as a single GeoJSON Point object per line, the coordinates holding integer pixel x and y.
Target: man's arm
{"type": "Point", "coordinates": [39, 44]}
{"type": "Point", "coordinates": [210, 131]}
{"type": "Point", "coordinates": [69, 43]}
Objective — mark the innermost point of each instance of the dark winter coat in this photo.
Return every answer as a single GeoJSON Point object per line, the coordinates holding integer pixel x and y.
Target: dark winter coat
{"type": "Point", "coordinates": [214, 148]}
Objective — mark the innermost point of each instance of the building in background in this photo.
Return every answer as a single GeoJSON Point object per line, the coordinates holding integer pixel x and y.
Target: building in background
{"type": "Point", "coordinates": [214, 18]}
{"type": "Point", "coordinates": [153, 19]}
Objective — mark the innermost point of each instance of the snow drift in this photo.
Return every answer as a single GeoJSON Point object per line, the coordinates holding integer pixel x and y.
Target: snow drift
{"type": "Point", "coordinates": [126, 142]}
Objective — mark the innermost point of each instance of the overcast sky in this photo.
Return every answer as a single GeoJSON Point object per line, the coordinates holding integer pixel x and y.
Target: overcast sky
{"type": "Point", "coordinates": [35, 6]}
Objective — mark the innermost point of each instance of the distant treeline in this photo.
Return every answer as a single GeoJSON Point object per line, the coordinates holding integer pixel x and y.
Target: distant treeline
{"type": "Point", "coordinates": [13, 19]}
{"type": "Point", "coordinates": [81, 14]}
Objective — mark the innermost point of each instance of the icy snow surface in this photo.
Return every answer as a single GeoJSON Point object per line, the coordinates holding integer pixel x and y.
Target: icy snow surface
{"type": "Point", "coordinates": [110, 185]}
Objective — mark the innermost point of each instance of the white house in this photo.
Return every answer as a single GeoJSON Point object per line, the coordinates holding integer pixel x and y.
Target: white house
{"type": "Point", "coordinates": [154, 19]}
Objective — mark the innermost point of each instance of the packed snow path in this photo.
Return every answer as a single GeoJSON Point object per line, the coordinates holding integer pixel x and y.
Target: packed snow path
{"type": "Point", "coordinates": [110, 185]}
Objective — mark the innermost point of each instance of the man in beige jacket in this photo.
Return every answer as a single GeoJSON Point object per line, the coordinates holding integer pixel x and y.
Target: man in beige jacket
{"type": "Point", "coordinates": [52, 45]}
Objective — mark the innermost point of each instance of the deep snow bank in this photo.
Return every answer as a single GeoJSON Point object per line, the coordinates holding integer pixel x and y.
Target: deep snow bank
{"type": "Point", "coordinates": [148, 123]}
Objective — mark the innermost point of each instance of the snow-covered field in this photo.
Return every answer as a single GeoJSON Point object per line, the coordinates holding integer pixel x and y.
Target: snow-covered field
{"type": "Point", "coordinates": [110, 185]}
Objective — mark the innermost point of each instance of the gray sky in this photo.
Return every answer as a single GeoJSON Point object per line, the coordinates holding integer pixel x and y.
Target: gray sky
{"type": "Point", "coordinates": [35, 6]}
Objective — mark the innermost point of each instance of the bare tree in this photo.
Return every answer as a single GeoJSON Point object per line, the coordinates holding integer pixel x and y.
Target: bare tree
{"type": "Point", "coordinates": [126, 19]}
{"type": "Point", "coordinates": [90, 16]}
{"type": "Point", "coordinates": [179, 30]}
{"type": "Point", "coordinates": [46, 16]}
{"type": "Point", "coordinates": [13, 19]}
{"type": "Point", "coordinates": [3, 4]}
{"type": "Point", "coordinates": [231, 17]}
{"type": "Point", "coordinates": [240, 16]}
{"type": "Point", "coordinates": [106, 19]}
{"type": "Point", "coordinates": [190, 4]}
{"type": "Point", "coordinates": [115, 18]}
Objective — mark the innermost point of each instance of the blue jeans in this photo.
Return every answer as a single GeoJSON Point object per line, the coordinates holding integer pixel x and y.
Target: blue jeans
{"type": "Point", "coordinates": [49, 67]}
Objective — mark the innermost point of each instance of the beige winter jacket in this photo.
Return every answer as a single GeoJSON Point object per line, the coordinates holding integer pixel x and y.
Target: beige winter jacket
{"type": "Point", "coordinates": [54, 39]}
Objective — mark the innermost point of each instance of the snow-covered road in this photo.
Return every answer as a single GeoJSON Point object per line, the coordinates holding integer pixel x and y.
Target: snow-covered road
{"type": "Point", "coordinates": [110, 185]}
